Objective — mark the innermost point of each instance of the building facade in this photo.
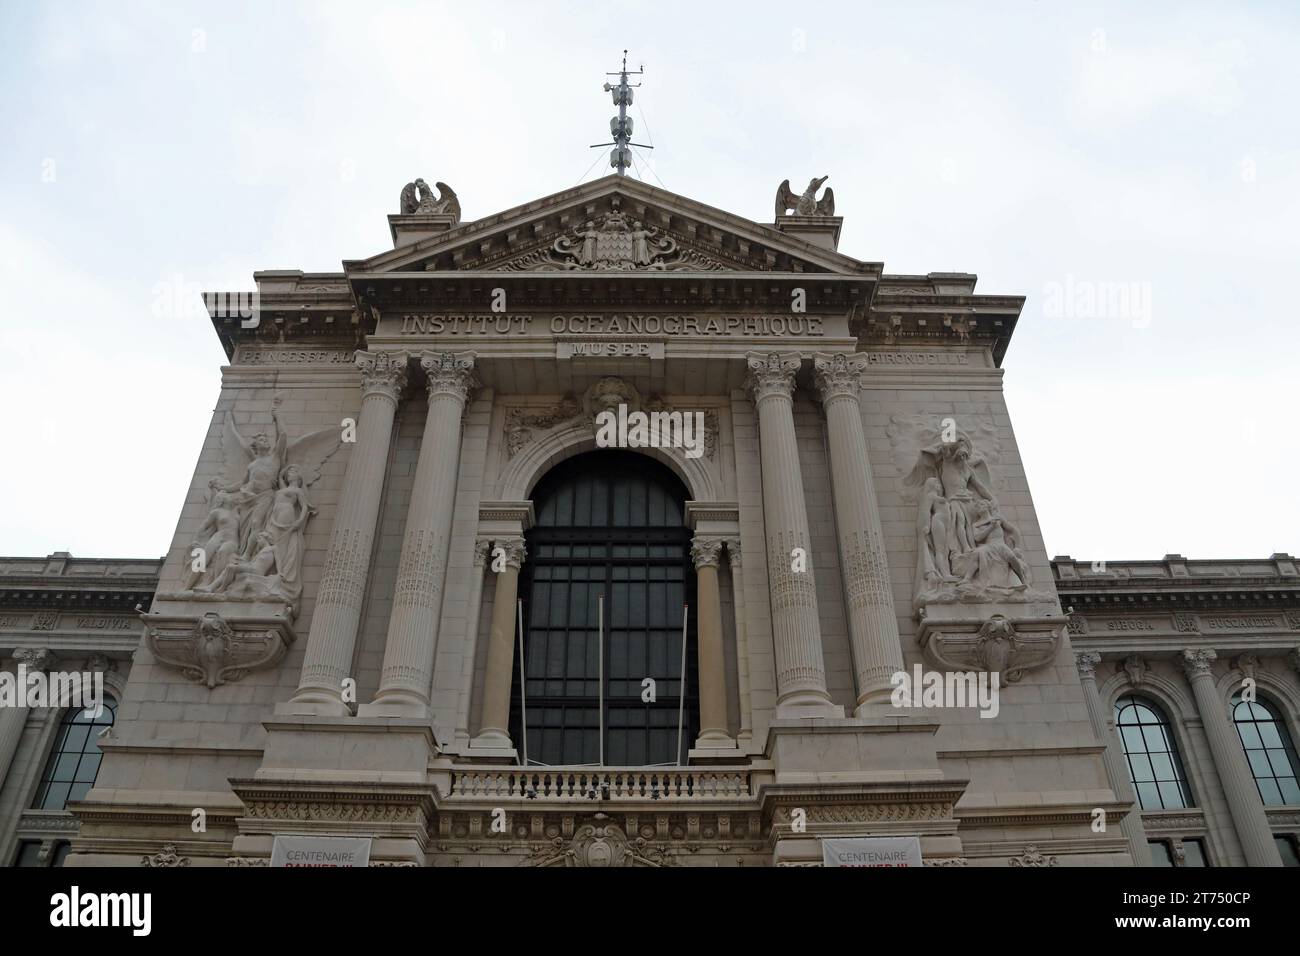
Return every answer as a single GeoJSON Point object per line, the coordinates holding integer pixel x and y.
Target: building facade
{"type": "Point", "coordinates": [616, 529]}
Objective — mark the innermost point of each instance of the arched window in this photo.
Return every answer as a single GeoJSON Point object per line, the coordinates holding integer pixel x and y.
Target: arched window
{"type": "Point", "coordinates": [1152, 755]}
{"type": "Point", "coordinates": [608, 522]}
{"type": "Point", "coordinates": [1269, 750]}
{"type": "Point", "coordinates": [74, 762]}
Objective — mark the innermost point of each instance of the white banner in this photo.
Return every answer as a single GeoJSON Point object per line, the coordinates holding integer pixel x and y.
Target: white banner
{"type": "Point", "coordinates": [872, 851]}
{"type": "Point", "coordinates": [320, 851]}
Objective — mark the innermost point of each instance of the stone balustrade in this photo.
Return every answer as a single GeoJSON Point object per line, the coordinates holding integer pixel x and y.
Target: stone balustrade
{"type": "Point", "coordinates": [576, 784]}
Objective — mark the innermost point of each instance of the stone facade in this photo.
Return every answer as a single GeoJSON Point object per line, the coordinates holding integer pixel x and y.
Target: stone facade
{"type": "Point", "coordinates": [340, 662]}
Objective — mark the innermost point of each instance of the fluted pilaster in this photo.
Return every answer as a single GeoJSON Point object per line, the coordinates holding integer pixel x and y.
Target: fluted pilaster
{"type": "Point", "coordinates": [873, 626]}
{"type": "Point", "coordinates": [1113, 756]}
{"type": "Point", "coordinates": [1247, 809]}
{"type": "Point", "coordinates": [796, 631]}
{"type": "Point", "coordinates": [13, 720]}
{"type": "Point", "coordinates": [421, 571]}
{"type": "Point", "coordinates": [332, 639]}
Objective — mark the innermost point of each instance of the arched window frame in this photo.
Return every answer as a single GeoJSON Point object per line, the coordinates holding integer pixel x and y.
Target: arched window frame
{"type": "Point", "coordinates": [1280, 786]}
{"type": "Point", "coordinates": [1169, 787]}
{"type": "Point", "coordinates": [64, 774]}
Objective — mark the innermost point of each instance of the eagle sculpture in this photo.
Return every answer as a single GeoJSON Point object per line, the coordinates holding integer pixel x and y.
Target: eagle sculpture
{"type": "Point", "coordinates": [807, 204]}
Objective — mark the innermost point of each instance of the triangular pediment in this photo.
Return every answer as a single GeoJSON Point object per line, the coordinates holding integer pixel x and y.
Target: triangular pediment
{"type": "Point", "coordinates": [612, 225]}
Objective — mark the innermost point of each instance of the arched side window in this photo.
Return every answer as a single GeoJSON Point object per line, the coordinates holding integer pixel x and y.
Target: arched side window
{"type": "Point", "coordinates": [1269, 750]}
{"type": "Point", "coordinates": [1152, 755]}
{"type": "Point", "coordinates": [74, 761]}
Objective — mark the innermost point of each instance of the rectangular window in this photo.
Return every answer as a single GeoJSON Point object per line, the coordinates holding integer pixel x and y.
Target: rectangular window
{"type": "Point", "coordinates": [1194, 853]}
{"type": "Point", "coordinates": [1161, 854]}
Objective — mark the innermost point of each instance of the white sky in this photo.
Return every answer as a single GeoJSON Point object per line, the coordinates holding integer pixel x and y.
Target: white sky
{"type": "Point", "coordinates": [1038, 145]}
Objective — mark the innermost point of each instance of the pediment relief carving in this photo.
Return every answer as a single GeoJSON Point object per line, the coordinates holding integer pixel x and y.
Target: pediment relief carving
{"type": "Point", "coordinates": [615, 242]}
{"type": "Point", "coordinates": [613, 233]}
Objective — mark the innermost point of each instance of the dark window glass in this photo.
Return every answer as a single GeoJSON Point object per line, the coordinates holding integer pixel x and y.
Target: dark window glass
{"type": "Point", "coordinates": [74, 762]}
{"type": "Point", "coordinates": [609, 523]}
{"type": "Point", "coordinates": [29, 852]}
{"type": "Point", "coordinates": [1286, 847]}
{"type": "Point", "coordinates": [1194, 853]}
{"type": "Point", "coordinates": [1161, 853]}
{"type": "Point", "coordinates": [1269, 751]}
{"type": "Point", "coordinates": [1152, 756]}
{"type": "Point", "coordinates": [61, 852]}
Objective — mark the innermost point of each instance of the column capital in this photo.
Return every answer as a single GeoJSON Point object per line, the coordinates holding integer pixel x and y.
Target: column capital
{"type": "Point", "coordinates": [733, 551]}
{"type": "Point", "coordinates": [35, 658]}
{"type": "Point", "coordinates": [706, 551]}
{"type": "Point", "coordinates": [450, 373]}
{"type": "Point", "coordinates": [838, 375]}
{"type": "Point", "coordinates": [383, 373]}
{"type": "Point", "coordinates": [771, 374]}
{"type": "Point", "coordinates": [1086, 662]}
{"type": "Point", "coordinates": [481, 548]}
{"type": "Point", "coordinates": [1196, 662]}
{"type": "Point", "coordinates": [512, 549]}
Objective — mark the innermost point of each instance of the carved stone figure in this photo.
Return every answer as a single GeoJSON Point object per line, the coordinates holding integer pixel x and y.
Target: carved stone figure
{"type": "Point", "coordinates": [217, 540]}
{"type": "Point", "coordinates": [967, 550]}
{"type": "Point", "coordinates": [806, 204]}
{"type": "Point", "coordinates": [252, 541]}
{"type": "Point", "coordinates": [417, 200]}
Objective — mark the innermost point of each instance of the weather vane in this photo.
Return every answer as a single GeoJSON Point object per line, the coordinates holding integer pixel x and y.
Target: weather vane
{"type": "Point", "coordinates": [620, 126]}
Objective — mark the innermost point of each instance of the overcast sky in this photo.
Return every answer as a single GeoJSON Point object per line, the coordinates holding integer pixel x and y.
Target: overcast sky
{"type": "Point", "coordinates": [1056, 150]}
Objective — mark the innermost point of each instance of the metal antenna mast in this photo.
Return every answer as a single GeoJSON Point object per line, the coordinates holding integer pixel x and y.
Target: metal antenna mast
{"type": "Point", "coordinates": [620, 126]}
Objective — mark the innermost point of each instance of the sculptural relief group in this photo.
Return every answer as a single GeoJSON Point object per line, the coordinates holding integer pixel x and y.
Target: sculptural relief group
{"type": "Point", "coordinates": [251, 545]}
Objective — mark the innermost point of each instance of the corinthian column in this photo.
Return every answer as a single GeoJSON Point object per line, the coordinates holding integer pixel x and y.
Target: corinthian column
{"type": "Point", "coordinates": [800, 667]}
{"type": "Point", "coordinates": [14, 719]}
{"type": "Point", "coordinates": [501, 644]}
{"type": "Point", "coordinates": [873, 627]}
{"type": "Point", "coordinates": [706, 553]}
{"type": "Point", "coordinates": [334, 623]}
{"type": "Point", "coordinates": [1112, 757]}
{"type": "Point", "coordinates": [417, 598]}
{"type": "Point", "coordinates": [1244, 804]}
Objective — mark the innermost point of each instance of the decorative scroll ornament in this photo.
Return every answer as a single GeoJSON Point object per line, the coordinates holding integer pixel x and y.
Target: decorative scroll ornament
{"type": "Point", "coordinates": [522, 422]}
{"type": "Point", "coordinates": [997, 645]}
{"type": "Point", "coordinates": [211, 650]}
{"type": "Point", "coordinates": [252, 541]}
{"type": "Point", "coordinates": [167, 858]}
{"type": "Point", "coordinates": [1197, 661]}
{"type": "Point", "coordinates": [449, 373]}
{"type": "Point", "coordinates": [806, 204]}
{"type": "Point", "coordinates": [383, 372]}
{"type": "Point", "coordinates": [656, 404]}
{"type": "Point", "coordinates": [838, 375]}
{"type": "Point", "coordinates": [771, 374]}
{"type": "Point", "coordinates": [613, 242]}
{"type": "Point", "coordinates": [1086, 662]}
{"type": "Point", "coordinates": [706, 551]}
{"type": "Point", "coordinates": [417, 200]}
{"type": "Point", "coordinates": [600, 843]}
{"type": "Point", "coordinates": [1032, 857]}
